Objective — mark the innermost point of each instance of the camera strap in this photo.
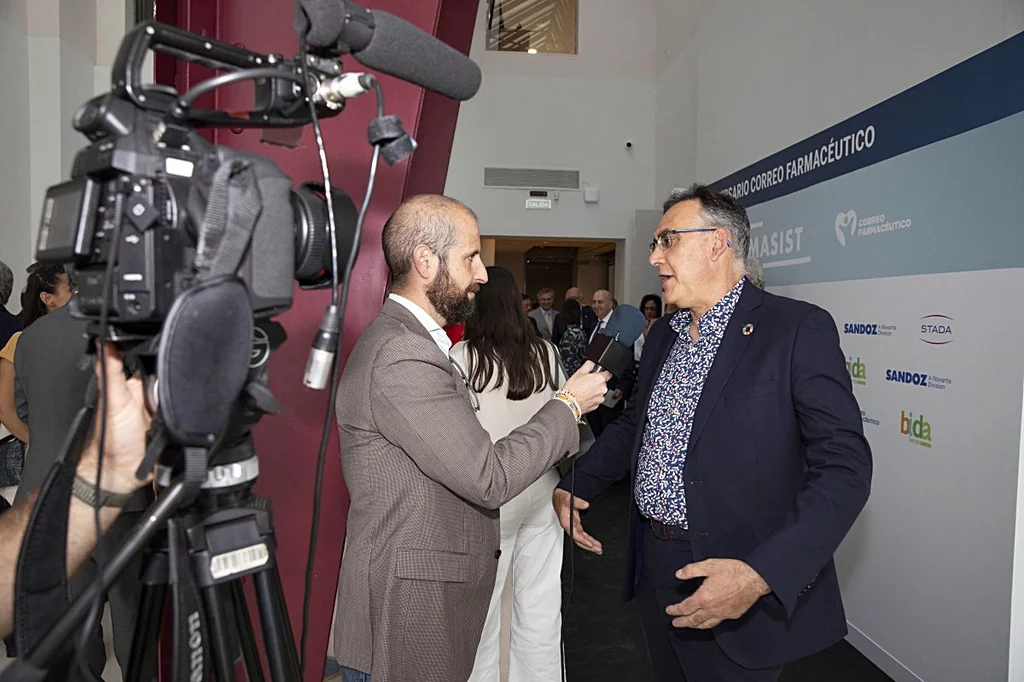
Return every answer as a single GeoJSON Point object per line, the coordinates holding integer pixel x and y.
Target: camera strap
{"type": "Point", "coordinates": [232, 209]}
{"type": "Point", "coordinates": [41, 594]}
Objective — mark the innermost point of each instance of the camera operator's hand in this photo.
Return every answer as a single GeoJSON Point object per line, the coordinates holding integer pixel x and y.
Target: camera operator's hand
{"type": "Point", "coordinates": [127, 422]}
{"type": "Point", "coordinates": [588, 386]}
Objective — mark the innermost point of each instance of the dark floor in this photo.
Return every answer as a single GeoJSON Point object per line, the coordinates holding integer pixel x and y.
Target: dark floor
{"type": "Point", "coordinates": [603, 640]}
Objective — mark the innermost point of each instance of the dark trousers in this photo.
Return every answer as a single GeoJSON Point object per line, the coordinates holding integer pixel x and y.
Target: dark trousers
{"type": "Point", "coordinates": [680, 654]}
{"type": "Point", "coordinates": [124, 596]}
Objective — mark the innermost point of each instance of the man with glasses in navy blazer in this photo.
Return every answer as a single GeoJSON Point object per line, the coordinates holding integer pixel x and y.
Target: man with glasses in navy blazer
{"type": "Point", "coordinates": [747, 459]}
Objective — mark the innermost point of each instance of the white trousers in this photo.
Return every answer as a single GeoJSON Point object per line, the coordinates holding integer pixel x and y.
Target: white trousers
{"type": "Point", "coordinates": [531, 548]}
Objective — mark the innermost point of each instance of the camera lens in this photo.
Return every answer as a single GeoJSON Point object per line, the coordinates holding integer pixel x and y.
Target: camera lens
{"type": "Point", "coordinates": [312, 240]}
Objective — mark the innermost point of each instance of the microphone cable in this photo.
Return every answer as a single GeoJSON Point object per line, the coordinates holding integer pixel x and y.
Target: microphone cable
{"type": "Point", "coordinates": [339, 304]}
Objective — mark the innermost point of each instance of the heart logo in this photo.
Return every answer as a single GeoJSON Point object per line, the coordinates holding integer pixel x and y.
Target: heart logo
{"type": "Point", "coordinates": [844, 220]}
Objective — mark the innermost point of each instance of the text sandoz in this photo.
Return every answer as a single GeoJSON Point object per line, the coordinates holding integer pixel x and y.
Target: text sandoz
{"type": "Point", "coordinates": [916, 429]}
{"type": "Point", "coordinates": [921, 379]}
{"type": "Point", "coordinates": [937, 330]}
{"type": "Point", "coordinates": [858, 371]}
{"type": "Point", "coordinates": [869, 328]}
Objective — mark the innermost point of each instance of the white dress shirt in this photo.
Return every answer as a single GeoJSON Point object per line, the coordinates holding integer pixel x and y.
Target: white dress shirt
{"type": "Point", "coordinates": [439, 335]}
{"type": "Point", "coordinates": [601, 324]}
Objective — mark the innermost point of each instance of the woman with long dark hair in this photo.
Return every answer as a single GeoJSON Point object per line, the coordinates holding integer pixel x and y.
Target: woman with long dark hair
{"type": "Point", "coordinates": [513, 373]}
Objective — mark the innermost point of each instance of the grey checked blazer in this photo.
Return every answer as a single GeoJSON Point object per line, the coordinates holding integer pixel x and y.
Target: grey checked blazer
{"type": "Point", "coordinates": [426, 483]}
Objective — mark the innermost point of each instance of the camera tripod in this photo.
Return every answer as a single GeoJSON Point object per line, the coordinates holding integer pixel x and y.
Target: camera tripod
{"type": "Point", "coordinates": [224, 535]}
{"type": "Point", "coordinates": [199, 551]}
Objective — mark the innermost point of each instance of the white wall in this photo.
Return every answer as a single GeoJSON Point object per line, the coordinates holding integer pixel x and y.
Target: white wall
{"type": "Point", "coordinates": [52, 56]}
{"type": "Point", "coordinates": [738, 81]}
{"type": "Point", "coordinates": [565, 112]}
{"type": "Point", "coordinates": [15, 119]}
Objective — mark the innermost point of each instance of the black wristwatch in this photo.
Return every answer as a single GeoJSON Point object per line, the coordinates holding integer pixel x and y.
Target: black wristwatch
{"type": "Point", "coordinates": [86, 492]}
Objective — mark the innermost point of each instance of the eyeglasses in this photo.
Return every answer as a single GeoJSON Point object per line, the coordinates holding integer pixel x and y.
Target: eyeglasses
{"type": "Point", "coordinates": [665, 240]}
{"type": "Point", "coordinates": [474, 399]}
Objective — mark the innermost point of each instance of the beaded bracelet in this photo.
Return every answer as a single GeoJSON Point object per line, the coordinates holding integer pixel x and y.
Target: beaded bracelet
{"type": "Point", "coordinates": [569, 399]}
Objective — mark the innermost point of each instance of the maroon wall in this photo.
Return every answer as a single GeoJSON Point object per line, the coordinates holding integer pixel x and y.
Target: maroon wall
{"type": "Point", "coordinates": [287, 443]}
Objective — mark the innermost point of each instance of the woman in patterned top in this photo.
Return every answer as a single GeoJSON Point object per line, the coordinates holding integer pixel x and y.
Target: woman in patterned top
{"type": "Point", "coordinates": [573, 344]}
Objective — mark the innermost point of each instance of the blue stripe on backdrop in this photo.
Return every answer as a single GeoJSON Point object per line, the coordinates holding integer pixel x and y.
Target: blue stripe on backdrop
{"type": "Point", "coordinates": [978, 91]}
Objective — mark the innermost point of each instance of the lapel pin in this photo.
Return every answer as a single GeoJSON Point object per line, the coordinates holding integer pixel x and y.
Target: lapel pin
{"type": "Point", "coordinates": [748, 329]}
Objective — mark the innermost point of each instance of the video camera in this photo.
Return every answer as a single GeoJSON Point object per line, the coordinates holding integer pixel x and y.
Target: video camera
{"type": "Point", "coordinates": [147, 173]}
{"type": "Point", "coordinates": [182, 248]}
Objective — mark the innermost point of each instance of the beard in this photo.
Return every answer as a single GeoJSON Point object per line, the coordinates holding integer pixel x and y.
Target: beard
{"type": "Point", "coordinates": [449, 300]}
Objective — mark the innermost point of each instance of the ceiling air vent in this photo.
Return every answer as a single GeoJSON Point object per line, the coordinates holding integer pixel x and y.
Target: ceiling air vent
{"type": "Point", "coordinates": [531, 178]}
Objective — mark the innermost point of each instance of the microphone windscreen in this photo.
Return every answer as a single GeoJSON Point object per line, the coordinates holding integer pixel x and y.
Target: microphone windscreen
{"type": "Point", "coordinates": [628, 322]}
{"type": "Point", "coordinates": [402, 50]}
{"type": "Point", "coordinates": [324, 19]}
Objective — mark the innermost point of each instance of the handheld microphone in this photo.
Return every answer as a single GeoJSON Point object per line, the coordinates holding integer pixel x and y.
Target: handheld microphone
{"type": "Point", "coordinates": [612, 347]}
{"type": "Point", "coordinates": [388, 44]}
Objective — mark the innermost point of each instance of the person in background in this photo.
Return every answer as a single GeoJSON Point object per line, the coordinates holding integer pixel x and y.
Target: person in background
{"type": "Point", "coordinates": [52, 374]}
{"type": "Point", "coordinates": [515, 373]}
{"type": "Point", "coordinates": [650, 306]}
{"type": "Point", "coordinates": [573, 344]}
{"type": "Point", "coordinates": [586, 312]}
{"type": "Point", "coordinates": [12, 442]}
{"type": "Point", "coordinates": [549, 321]}
{"type": "Point", "coordinates": [123, 451]}
{"type": "Point", "coordinates": [747, 462]}
{"type": "Point", "coordinates": [527, 307]}
{"type": "Point", "coordinates": [9, 322]}
{"type": "Point", "coordinates": [619, 387]}
{"type": "Point", "coordinates": [49, 288]}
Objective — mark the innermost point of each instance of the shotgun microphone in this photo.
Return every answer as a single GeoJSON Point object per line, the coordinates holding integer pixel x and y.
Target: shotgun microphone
{"type": "Point", "coordinates": [388, 44]}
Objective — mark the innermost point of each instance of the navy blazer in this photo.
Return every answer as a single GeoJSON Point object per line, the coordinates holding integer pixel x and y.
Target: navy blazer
{"type": "Point", "coordinates": [777, 469]}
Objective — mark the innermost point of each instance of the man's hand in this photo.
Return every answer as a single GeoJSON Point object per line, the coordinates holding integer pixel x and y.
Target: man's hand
{"type": "Point", "coordinates": [561, 501]}
{"type": "Point", "coordinates": [125, 438]}
{"type": "Point", "coordinates": [588, 386]}
{"type": "Point", "coordinates": [730, 588]}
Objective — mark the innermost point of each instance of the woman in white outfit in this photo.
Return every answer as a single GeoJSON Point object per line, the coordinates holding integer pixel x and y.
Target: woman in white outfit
{"type": "Point", "coordinates": [514, 373]}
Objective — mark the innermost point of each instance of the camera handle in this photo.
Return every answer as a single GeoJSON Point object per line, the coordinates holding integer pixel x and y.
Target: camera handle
{"type": "Point", "coordinates": [279, 101]}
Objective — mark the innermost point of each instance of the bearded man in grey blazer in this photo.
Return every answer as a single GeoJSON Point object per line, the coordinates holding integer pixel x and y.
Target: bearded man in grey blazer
{"type": "Point", "coordinates": [424, 478]}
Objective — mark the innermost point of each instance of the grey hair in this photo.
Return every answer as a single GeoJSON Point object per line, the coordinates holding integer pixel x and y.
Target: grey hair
{"type": "Point", "coordinates": [755, 271]}
{"type": "Point", "coordinates": [718, 209]}
{"type": "Point", "coordinates": [425, 219]}
{"type": "Point", "coordinates": [6, 283]}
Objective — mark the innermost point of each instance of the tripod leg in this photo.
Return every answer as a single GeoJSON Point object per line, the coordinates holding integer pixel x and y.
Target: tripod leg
{"type": "Point", "coordinates": [142, 662]}
{"type": "Point", "coordinates": [277, 631]}
{"type": "Point", "coordinates": [220, 641]}
{"type": "Point", "coordinates": [247, 638]}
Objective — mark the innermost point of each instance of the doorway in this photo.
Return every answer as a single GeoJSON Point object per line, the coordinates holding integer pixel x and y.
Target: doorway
{"type": "Point", "coordinates": [538, 263]}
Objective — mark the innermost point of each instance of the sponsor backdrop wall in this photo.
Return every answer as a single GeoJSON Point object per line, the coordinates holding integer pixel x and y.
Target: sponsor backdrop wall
{"type": "Point", "coordinates": [905, 223]}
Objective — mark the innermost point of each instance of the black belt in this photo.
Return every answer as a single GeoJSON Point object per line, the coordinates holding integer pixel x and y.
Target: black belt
{"type": "Point", "coordinates": [667, 532]}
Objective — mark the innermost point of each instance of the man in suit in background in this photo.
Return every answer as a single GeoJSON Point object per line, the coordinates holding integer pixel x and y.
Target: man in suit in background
{"type": "Point", "coordinates": [9, 322]}
{"type": "Point", "coordinates": [549, 321]}
{"type": "Point", "coordinates": [620, 387]}
{"type": "Point", "coordinates": [52, 373]}
{"type": "Point", "coordinates": [527, 307]}
{"type": "Point", "coordinates": [747, 460]}
{"type": "Point", "coordinates": [425, 480]}
{"type": "Point", "coordinates": [586, 312]}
